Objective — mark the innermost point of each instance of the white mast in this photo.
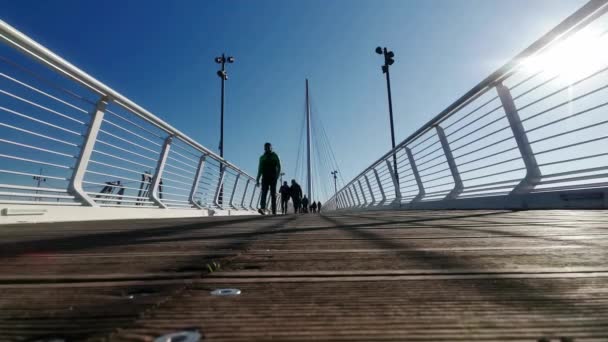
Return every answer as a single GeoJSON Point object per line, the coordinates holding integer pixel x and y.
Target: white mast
{"type": "Point", "coordinates": [308, 168]}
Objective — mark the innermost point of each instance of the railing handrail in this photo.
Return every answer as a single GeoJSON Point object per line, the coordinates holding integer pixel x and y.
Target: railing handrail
{"type": "Point", "coordinates": [564, 29]}
{"type": "Point", "coordinates": [32, 48]}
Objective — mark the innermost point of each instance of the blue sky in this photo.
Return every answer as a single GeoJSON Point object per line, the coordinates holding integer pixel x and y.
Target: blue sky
{"type": "Point", "coordinates": [160, 54]}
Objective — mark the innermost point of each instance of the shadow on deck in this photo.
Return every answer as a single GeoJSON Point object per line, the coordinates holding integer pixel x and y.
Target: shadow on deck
{"type": "Point", "coordinates": [416, 275]}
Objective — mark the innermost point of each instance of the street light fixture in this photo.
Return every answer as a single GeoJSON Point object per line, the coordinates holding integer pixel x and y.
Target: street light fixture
{"type": "Point", "coordinates": [335, 174]}
{"type": "Point", "coordinates": [223, 75]}
{"type": "Point", "coordinates": [388, 61]}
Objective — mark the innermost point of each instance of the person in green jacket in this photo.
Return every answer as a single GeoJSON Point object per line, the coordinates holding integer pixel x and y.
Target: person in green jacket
{"type": "Point", "coordinates": [269, 169]}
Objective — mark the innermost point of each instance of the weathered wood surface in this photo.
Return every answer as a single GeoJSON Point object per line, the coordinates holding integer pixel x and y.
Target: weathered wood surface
{"type": "Point", "coordinates": [393, 275]}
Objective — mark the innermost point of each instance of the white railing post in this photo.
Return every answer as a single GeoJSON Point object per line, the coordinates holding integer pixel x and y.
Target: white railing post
{"type": "Point", "coordinates": [362, 192]}
{"type": "Point", "coordinates": [379, 185]}
{"type": "Point", "coordinates": [86, 151]}
{"type": "Point", "coordinates": [412, 161]}
{"type": "Point", "coordinates": [447, 151]}
{"type": "Point", "coordinates": [218, 190]}
{"type": "Point", "coordinates": [533, 174]}
{"type": "Point", "coordinates": [351, 197]}
{"type": "Point", "coordinates": [259, 199]}
{"type": "Point", "coordinates": [255, 189]}
{"type": "Point", "coordinates": [236, 184]}
{"type": "Point", "coordinates": [345, 203]}
{"type": "Point", "coordinates": [395, 182]}
{"type": "Point", "coordinates": [360, 199]}
{"type": "Point", "coordinates": [197, 178]}
{"type": "Point", "coordinates": [371, 192]}
{"type": "Point", "coordinates": [345, 196]}
{"type": "Point", "coordinates": [158, 175]}
{"type": "Point", "coordinates": [245, 194]}
{"type": "Point", "coordinates": [356, 194]}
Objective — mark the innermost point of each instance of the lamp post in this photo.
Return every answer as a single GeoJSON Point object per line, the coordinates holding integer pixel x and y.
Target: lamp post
{"type": "Point", "coordinates": [335, 174]}
{"type": "Point", "coordinates": [223, 75]}
{"type": "Point", "coordinates": [388, 61]}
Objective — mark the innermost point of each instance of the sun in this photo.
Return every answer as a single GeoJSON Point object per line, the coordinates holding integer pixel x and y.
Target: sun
{"type": "Point", "coordinates": [574, 58]}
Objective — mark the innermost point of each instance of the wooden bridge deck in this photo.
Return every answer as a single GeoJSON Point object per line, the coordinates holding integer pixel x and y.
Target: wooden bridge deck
{"type": "Point", "coordinates": [406, 275]}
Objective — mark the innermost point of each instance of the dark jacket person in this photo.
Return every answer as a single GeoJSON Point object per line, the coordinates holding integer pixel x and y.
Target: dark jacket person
{"type": "Point", "coordinates": [295, 192]}
{"type": "Point", "coordinates": [284, 191]}
{"type": "Point", "coordinates": [269, 169]}
{"type": "Point", "coordinates": [305, 204]}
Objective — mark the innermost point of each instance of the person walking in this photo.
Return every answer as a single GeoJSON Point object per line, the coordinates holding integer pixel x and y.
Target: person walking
{"type": "Point", "coordinates": [319, 207]}
{"type": "Point", "coordinates": [269, 169]}
{"type": "Point", "coordinates": [284, 191]}
{"type": "Point", "coordinates": [305, 204]}
{"type": "Point", "coordinates": [295, 192]}
{"type": "Point", "coordinates": [313, 207]}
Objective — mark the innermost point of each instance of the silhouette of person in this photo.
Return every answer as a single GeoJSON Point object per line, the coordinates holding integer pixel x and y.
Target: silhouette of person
{"type": "Point", "coordinates": [269, 169]}
{"type": "Point", "coordinates": [295, 192]}
{"type": "Point", "coordinates": [313, 207]}
{"type": "Point", "coordinates": [284, 191]}
{"type": "Point", "coordinates": [305, 204]}
{"type": "Point", "coordinates": [319, 206]}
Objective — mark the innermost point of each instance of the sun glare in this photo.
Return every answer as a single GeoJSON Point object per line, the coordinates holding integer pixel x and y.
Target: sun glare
{"type": "Point", "coordinates": [574, 58]}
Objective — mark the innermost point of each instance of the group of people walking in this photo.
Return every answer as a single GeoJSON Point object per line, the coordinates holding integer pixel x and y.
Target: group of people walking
{"type": "Point", "coordinates": [301, 204]}
{"type": "Point", "coordinates": [269, 170]}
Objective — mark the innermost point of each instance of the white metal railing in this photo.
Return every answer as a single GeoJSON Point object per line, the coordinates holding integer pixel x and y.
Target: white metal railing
{"type": "Point", "coordinates": [67, 139]}
{"type": "Point", "coordinates": [531, 135]}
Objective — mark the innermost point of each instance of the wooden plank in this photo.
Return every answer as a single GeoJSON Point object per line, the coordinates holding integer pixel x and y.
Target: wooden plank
{"type": "Point", "coordinates": [392, 275]}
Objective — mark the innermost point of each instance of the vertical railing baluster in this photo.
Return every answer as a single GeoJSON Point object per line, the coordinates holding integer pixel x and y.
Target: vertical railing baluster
{"type": "Point", "coordinates": [362, 192]}
{"type": "Point", "coordinates": [383, 200]}
{"type": "Point", "coordinates": [371, 192]}
{"type": "Point", "coordinates": [447, 152]}
{"type": "Point", "coordinates": [345, 202]}
{"type": "Point", "coordinates": [395, 183]}
{"type": "Point", "coordinates": [86, 151]}
{"type": "Point", "coordinates": [218, 190]}
{"type": "Point", "coordinates": [195, 183]}
{"type": "Point", "coordinates": [245, 194]}
{"type": "Point", "coordinates": [533, 174]}
{"type": "Point", "coordinates": [253, 192]}
{"type": "Point", "coordinates": [259, 198]}
{"type": "Point", "coordinates": [155, 196]}
{"type": "Point", "coordinates": [412, 161]}
{"type": "Point", "coordinates": [236, 184]}
{"type": "Point", "coordinates": [356, 195]}
{"type": "Point", "coordinates": [351, 197]}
